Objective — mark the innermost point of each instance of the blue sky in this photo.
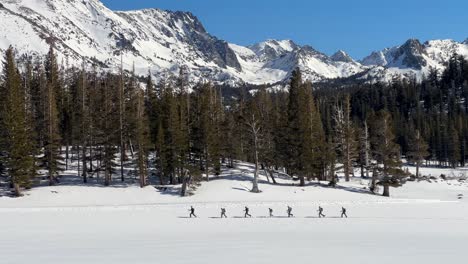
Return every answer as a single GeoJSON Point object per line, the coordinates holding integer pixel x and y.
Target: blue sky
{"type": "Point", "coordinates": [356, 26]}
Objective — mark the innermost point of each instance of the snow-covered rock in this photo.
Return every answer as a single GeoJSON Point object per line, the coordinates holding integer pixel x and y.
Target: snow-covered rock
{"type": "Point", "coordinates": [412, 59]}
{"type": "Point", "coordinates": [342, 56]}
{"type": "Point", "coordinates": [164, 41]}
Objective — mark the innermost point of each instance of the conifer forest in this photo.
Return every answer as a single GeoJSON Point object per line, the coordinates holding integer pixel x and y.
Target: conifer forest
{"type": "Point", "coordinates": [171, 132]}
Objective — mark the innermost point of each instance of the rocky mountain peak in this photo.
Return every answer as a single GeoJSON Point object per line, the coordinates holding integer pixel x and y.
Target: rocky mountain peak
{"type": "Point", "coordinates": [164, 41]}
{"type": "Point", "coordinates": [376, 58]}
{"type": "Point", "coordinates": [341, 56]}
{"type": "Point", "coordinates": [410, 54]}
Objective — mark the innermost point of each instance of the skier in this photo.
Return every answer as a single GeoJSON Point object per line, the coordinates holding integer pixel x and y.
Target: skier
{"type": "Point", "coordinates": [290, 211]}
{"type": "Point", "coordinates": [320, 211]}
{"type": "Point", "coordinates": [246, 210]}
{"type": "Point", "coordinates": [192, 212]}
{"type": "Point", "coordinates": [343, 212]}
{"type": "Point", "coordinates": [271, 212]}
{"type": "Point", "coordinates": [223, 213]}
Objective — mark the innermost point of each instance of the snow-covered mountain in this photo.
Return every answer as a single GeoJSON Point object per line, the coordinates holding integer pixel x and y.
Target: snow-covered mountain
{"type": "Point", "coordinates": [413, 58]}
{"type": "Point", "coordinates": [165, 41]}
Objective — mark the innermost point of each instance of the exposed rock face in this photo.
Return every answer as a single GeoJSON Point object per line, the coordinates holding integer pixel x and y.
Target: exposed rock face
{"type": "Point", "coordinates": [165, 41]}
{"type": "Point", "coordinates": [342, 56]}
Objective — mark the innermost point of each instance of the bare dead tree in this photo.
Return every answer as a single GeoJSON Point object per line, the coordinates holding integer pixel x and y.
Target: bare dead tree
{"type": "Point", "coordinates": [254, 128]}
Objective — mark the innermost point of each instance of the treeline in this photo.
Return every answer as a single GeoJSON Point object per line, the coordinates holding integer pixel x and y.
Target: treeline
{"type": "Point", "coordinates": [172, 133]}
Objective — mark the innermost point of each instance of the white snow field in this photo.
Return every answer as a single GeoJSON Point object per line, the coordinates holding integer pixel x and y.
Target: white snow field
{"type": "Point", "coordinates": [424, 222]}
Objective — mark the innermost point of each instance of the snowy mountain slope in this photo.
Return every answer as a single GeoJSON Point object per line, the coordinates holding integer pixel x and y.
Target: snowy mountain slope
{"type": "Point", "coordinates": [86, 29]}
{"type": "Point", "coordinates": [164, 41]}
{"type": "Point", "coordinates": [277, 59]}
{"type": "Point", "coordinates": [412, 59]}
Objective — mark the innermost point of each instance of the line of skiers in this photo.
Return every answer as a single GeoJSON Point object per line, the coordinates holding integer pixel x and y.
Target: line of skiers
{"type": "Point", "coordinates": [289, 212]}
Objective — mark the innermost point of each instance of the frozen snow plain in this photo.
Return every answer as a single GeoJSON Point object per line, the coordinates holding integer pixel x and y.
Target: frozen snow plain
{"type": "Point", "coordinates": [422, 223]}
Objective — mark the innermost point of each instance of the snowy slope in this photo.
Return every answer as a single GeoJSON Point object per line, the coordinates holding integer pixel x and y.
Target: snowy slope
{"type": "Point", "coordinates": [274, 61]}
{"type": "Point", "coordinates": [164, 41]}
{"type": "Point", "coordinates": [412, 59]}
{"type": "Point", "coordinates": [156, 39]}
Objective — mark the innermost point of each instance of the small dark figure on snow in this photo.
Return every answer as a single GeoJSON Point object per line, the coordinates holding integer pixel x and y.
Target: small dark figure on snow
{"type": "Point", "coordinates": [320, 211]}
{"type": "Point", "coordinates": [223, 213]}
{"type": "Point", "coordinates": [271, 212]}
{"type": "Point", "coordinates": [246, 210]}
{"type": "Point", "coordinates": [192, 212]}
{"type": "Point", "coordinates": [343, 212]}
{"type": "Point", "coordinates": [290, 212]}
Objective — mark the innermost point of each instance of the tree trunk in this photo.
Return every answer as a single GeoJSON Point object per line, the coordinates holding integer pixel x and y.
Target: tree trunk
{"type": "Point", "coordinates": [185, 185]}
{"type": "Point", "coordinates": [302, 180]}
{"type": "Point", "coordinates": [106, 178]}
{"type": "Point", "coordinates": [51, 179]}
{"type": "Point", "coordinates": [374, 181]}
{"type": "Point", "coordinates": [255, 188]}
{"type": "Point", "coordinates": [17, 189]}
{"type": "Point", "coordinates": [269, 171]}
{"type": "Point", "coordinates": [122, 154]}
{"type": "Point", "coordinates": [255, 179]}
{"type": "Point", "coordinates": [207, 170]}
{"type": "Point", "coordinates": [91, 167]}
{"type": "Point", "coordinates": [346, 170]}
{"type": "Point", "coordinates": [66, 157]}
{"type": "Point", "coordinates": [386, 191]}
{"type": "Point", "coordinates": [85, 172]}
{"type": "Point", "coordinates": [417, 169]}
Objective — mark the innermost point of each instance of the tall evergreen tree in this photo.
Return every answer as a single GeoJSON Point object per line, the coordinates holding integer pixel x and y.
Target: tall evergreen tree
{"type": "Point", "coordinates": [20, 158]}
{"type": "Point", "coordinates": [418, 151]}
{"type": "Point", "coordinates": [142, 139]}
{"type": "Point", "coordinates": [52, 142]}
{"type": "Point", "coordinates": [306, 138]}
{"type": "Point", "coordinates": [386, 152]}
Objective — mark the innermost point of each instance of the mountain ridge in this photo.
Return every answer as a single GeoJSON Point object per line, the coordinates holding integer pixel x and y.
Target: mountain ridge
{"type": "Point", "coordinates": [164, 41]}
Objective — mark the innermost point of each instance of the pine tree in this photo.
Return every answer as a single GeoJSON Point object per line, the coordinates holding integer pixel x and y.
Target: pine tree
{"type": "Point", "coordinates": [418, 151]}
{"type": "Point", "coordinates": [387, 153]}
{"type": "Point", "coordinates": [81, 120]}
{"type": "Point", "coordinates": [206, 128]}
{"type": "Point", "coordinates": [453, 147]}
{"type": "Point", "coordinates": [121, 99]}
{"type": "Point", "coordinates": [142, 139]}
{"type": "Point", "coordinates": [20, 159]}
{"type": "Point", "coordinates": [52, 134]}
{"type": "Point", "coordinates": [295, 134]}
{"type": "Point", "coordinates": [350, 143]}
{"type": "Point", "coordinates": [109, 126]}
{"type": "Point", "coordinates": [306, 138]}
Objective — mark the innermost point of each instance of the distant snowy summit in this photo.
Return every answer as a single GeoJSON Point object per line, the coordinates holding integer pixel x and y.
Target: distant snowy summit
{"type": "Point", "coordinates": [164, 41]}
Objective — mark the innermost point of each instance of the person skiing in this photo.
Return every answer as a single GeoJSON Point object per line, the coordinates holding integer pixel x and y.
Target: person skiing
{"type": "Point", "coordinates": [271, 212]}
{"type": "Point", "coordinates": [223, 213]}
{"type": "Point", "coordinates": [192, 212]}
{"type": "Point", "coordinates": [290, 211]}
{"type": "Point", "coordinates": [246, 210]}
{"type": "Point", "coordinates": [343, 212]}
{"type": "Point", "coordinates": [320, 211]}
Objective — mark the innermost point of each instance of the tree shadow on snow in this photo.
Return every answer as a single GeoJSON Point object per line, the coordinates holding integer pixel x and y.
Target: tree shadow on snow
{"type": "Point", "coordinates": [353, 189]}
{"type": "Point", "coordinates": [168, 190]}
